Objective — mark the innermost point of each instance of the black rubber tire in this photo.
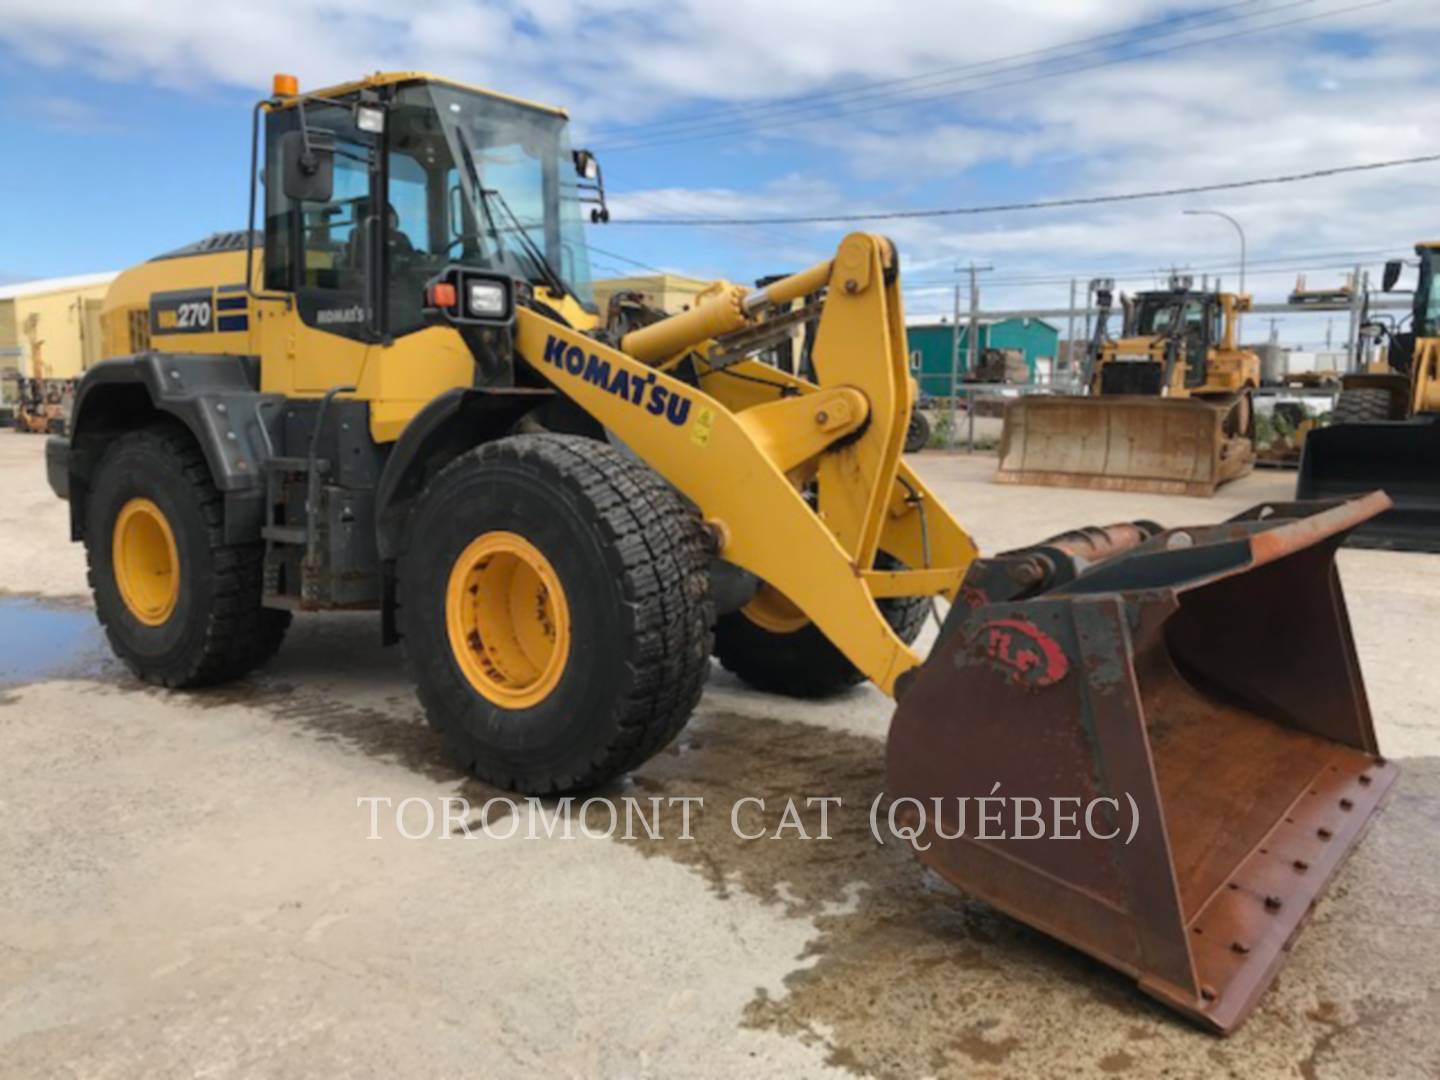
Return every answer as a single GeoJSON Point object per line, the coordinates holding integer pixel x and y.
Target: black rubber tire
{"type": "Point", "coordinates": [804, 663]}
{"type": "Point", "coordinates": [218, 631]}
{"type": "Point", "coordinates": [1361, 406]}
{"type": "Point", "coordinates": [917, 435]}
{"type": "Point", "coordinates": [632, 558]}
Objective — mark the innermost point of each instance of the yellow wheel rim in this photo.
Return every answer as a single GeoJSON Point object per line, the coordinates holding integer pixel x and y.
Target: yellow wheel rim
{"type": "Point", "coordinates": [769, 610]}
{"type": "Point", "coordinates": [508, 620]}
{"type": "Point", "coordinates": [147, 565]}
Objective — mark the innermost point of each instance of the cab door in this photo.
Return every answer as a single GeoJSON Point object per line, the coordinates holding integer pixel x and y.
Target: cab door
{"type": "Point", "coordinates": [323, 255]}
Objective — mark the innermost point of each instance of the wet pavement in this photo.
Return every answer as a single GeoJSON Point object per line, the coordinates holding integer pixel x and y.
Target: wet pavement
{"type": "Point", "coordinates": [42, 639]}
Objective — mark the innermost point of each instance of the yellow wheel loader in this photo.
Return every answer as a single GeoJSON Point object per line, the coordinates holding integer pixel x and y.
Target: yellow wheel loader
{"type": "Point", "coordinates": [1385, 429]}
{"type": "Point", "coordinates": [397, 395]}
{"type": "Point", "coordinates": [1168, 408]}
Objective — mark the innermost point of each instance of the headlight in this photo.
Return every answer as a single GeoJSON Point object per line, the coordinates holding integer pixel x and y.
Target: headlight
{"type": "Point", "coordinates": [368, 118]}
{"type": "Point", "coordinates": [488, 300]}
{"type": "Point", "coordinates": [469, 297]}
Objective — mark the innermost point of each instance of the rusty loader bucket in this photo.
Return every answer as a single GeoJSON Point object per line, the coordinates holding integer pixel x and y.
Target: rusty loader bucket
{"type": "Point", "coordinates": [1173, 446]}
{"type": "Point", "coordinates": [1183, 710]}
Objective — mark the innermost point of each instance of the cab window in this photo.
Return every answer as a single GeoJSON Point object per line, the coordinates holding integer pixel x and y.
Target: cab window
{"type": "Point", "coordinates": [320, 251]}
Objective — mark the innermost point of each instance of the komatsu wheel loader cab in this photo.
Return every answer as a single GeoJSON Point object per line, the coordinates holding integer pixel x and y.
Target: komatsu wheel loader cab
{"type": "Point", "coordinates": [1168, 410]}
{"type": "Point", "coordinates": [1385, 429]}
{"type": "Point", "coordinates": [398, 396]}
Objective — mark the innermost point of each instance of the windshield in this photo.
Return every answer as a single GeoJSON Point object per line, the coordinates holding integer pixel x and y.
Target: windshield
{"type": "Point", "coordinates": [500, 174]}
{"type": "Point", "coordinates": [1157, 316]}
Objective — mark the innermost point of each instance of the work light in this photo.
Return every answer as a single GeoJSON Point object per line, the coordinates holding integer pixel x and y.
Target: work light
{"type": "Point", "coordinates": [488, 300]}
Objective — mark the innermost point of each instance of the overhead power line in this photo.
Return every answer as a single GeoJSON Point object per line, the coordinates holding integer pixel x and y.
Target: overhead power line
{"type": "Point", "coordinates": [1040, 204]}
{"type": "Point", "coordinates": [870, 88]}
{"type": "Point", "coordinates": [1052, 72]}
{"type": "Point", "coordinates": [644, 265]}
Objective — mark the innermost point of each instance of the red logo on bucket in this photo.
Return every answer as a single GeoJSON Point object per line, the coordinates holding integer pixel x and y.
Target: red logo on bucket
{"type": "Point", "coordinates": [1018, 646]}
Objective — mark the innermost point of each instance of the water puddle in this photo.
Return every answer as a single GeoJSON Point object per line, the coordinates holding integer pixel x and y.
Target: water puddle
{"type": "Point", "coordinates": [41, 640]}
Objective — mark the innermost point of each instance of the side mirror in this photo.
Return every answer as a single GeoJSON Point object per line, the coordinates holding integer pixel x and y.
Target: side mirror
{"type": "Point", "coordinates": [592, 185]}
{"type": "Point", "coordinates": [307, 173]}
{"type": "Point", "coordinates": [1393, 269]}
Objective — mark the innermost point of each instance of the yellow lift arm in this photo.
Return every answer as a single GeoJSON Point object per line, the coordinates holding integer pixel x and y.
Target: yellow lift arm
{"type": "Point", "coordinates": [747, 455]}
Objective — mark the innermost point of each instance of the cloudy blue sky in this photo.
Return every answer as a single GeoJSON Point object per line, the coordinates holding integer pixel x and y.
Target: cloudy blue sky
{"type": "Point", "coordinates": [126, 125]}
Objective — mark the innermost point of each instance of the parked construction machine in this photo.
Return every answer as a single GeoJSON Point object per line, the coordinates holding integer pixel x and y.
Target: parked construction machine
{"type": "Point", "coordinates": [1168, 407]}
{"type": "Point", "coordinates": [1385, 429]}
{"type": "Point", "coordinates": [397, 396]}
{"type": "Point", "coordinates": [40, 405]}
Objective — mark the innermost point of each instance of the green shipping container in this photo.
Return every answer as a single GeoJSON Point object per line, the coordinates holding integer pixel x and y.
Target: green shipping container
{"type": "Point", "coordinates": [931, 347]}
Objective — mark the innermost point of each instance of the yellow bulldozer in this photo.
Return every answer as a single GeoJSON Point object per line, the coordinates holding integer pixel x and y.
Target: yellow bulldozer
{"type": "Point", "coordinates": [398, 395]}
{"type": "Point", "coordinates": [1167, 406]}
{"type": "Point", "coordinates": [1385, 429]}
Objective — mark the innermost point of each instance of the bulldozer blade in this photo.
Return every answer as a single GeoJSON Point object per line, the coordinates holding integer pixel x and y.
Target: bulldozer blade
{"type": "Point", "coordinates": [1400, 457]}
{"type": "Point", "coordinates": [1172, 446]}
{"type": "Point", "coordinates": [1186, 716]}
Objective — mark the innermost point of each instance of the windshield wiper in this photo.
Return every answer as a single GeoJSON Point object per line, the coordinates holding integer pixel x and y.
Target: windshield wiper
{"type": "Point", "coordinates": [541, 265]}
{"type": "Point", "coordinates": [548, 273]}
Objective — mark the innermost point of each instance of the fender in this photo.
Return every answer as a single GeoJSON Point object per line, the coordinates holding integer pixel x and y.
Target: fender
{"type": "Point", "coordinates": [216, 398]}
{"type": "Point", "coordinates": [454, 422]}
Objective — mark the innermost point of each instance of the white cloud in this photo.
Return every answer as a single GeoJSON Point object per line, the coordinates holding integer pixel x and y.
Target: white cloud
{"type": "Point", "coordinates": [1252, 106]}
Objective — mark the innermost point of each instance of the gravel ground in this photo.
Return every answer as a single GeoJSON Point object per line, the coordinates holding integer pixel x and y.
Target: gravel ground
{"type": "Point", "coordinates": [188, 886]}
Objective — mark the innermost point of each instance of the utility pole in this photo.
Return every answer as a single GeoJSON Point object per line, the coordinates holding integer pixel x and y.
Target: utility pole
{"type": "Point", "coordinates": [974, 343]}
{"type": "Point", "coordinates": [1357, 302]}
{"type": "Point", "coordinates": [1070, 329]}
{"type": "Point", "coordinates": [954, 367]}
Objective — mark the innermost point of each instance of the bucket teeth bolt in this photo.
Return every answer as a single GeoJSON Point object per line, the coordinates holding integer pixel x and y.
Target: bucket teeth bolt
{"type": "Point", "coordinates": [1301, 864]}
{"type": "Point", "coordinates": [1365, 778]}
{"type": "Point", "coordinates": [1208, 993]}
{"type": "Point", "coordinates": [1239, 947]}
{"type": "Point", "coordinates": [1324, 833]}
{"type": "Point", "coordinates": [1272, 903]}
{"type": "Point", "coordinates": [1347, 804]}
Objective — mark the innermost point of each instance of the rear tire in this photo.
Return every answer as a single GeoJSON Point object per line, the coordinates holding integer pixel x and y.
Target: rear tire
{"type": "Point", "coordinates": [210, 626]}
{"type": "Point", "coordinates": [614, 564]}
{"type": "Point", "coordinates": [802, 662]}
{"type": "Point", "coordinates": [917, 435]}
{"type": "Point", "coordinates": [1361, 406]}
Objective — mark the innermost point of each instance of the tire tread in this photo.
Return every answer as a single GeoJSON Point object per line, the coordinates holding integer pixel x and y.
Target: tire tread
{"type": "Point", "coordinates": [240, 634]}
{"type": "Point", "coordinates": [663, 569]}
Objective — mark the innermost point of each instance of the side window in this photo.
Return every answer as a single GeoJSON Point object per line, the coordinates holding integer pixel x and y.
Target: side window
{"type": "Point", "coordinates": [320, 251]}
{"type": "Point", "coordinates": [333, 241]}
{"type": "Point", "coordinates": [414, 252]}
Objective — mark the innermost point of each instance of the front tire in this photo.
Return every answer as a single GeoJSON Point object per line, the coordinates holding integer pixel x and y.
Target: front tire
{"type": "Point", "coordinates": [554, 603]}
{"type": "Point", "coordinates": [180, 606]}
